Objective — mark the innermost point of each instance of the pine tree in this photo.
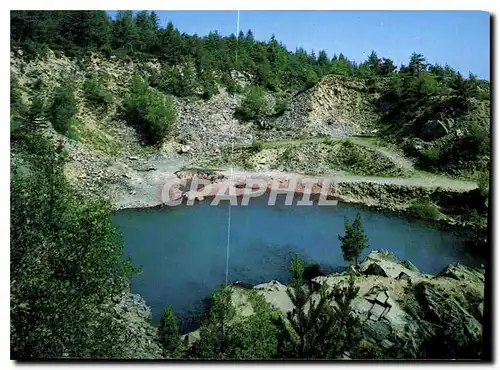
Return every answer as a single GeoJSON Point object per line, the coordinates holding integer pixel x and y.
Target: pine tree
{"type": "Point", "coordinates": [417, 64]}
{"type": "Point", "coordinates": [387, 67]}
{"type": "Point", "coordinates": [354, 240]}
{"type": "Point", "coordinates": [373, 62]}
{"type": "Point", "coordinates": [320, 330]}
{"type": "Point", "coordinates": [168, 333]}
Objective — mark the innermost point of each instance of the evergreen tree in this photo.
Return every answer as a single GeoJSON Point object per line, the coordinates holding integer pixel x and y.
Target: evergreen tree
{"type": "Point", "coordinates": [387, 67]}
{"type": "Point", "coordinates": [168, 333]}
{"type": "Point", "coordinates": [417, 64]}
{"type": "Point", "coordinates": [354, 240]}
{"type": "Point", "coordinates": [66, 263]}
{"type": "Point", "coordinates": [373, 63]}
{"type": "Point", "coordinates": [124, 34]}
{"type": "Point", "coordinates": [316, 328]}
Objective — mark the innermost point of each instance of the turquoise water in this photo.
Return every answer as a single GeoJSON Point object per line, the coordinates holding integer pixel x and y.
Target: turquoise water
{"type": "Point", "coordinates": [182, 250]}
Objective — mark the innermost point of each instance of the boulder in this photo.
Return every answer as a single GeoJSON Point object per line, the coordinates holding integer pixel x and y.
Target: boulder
{"type": "Point", "coordinates": [410, 266]}
{"type": "Point", "coordinates": [384, 263]}
{"type": "Point", "coordinates": [403, 275]}
{"type": "Point", "coordinates": [461, 272]}
{"type": "Point", "coordinates": [375, 269]}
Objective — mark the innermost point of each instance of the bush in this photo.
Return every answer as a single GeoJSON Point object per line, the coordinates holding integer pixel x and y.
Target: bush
{"type": "Point", "coordinates": [424, 209]}
{"type": "Point", "coordinates": [311, 79]}
{"type": "Point", "coordinates": [255, 105]}
{"type": "Point", "coordinates": [256, 146]}
{"type": "Point", "coordinates": [232, 86]}
{"type": "Point", "coordinates": [152, 112]}
{"type": "Point", "coordinates": [62, 109]}
{"type": "Point", "coordinates": [483, 183]}
{"type": "Point", "coordinates": [168, 333]}
{"type": "Point", "coordinates": [96, 93]}
{"type": "Point", "coordinates": [209, 88]}
{"type": "Point", "coordinates": [349, 143]}
{"type": "Point", "coordinates": [66, 263]}
{"type": "Point", "coordinates": [222, 336]}
{"type": "Point", "coordinates": [281, 105]}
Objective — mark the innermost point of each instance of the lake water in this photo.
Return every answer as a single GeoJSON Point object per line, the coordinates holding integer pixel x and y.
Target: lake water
{"type": "Point", "coordinates": [182, 250]}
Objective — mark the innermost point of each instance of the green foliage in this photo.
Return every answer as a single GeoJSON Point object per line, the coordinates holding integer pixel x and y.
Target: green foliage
{"type": "Point", "coordinates": [168, 333]}
{"type": "Point", "coordinates": [223, 336]}
{"type": "Point", "coordinates": [483, 183]}
{"type": "Point", "coordinates": [66, 263]}
{"type": "Point", "coordinates": [256, 337]}
{"type": "Point", "coordinates": [311, 79]}
{"type": "Point", "coordinates": [95, 92]}
{"type": "Point", "coordinates": [17, 106]}
{"type": "Point", "coordinates": [152, 112]}
{"type": "Point", "coordinates": [216, 335]}
{"type": "Point", "coordinates": [320, 330]}
{"type": "Point", "coordinates": [424, 209]}
{"type": "Point", "coordinates": [354, 240]}
{"type": "Point", "coordinates": [281, 105]}
{"type": "Point", "coordinates": [256, 146]}
{"type": "Point", "coordinates": [255, 105]}
{"type": "Point", "coordinates": [431, 102]}
{"type": "Point", "coordinates": [63, 109]}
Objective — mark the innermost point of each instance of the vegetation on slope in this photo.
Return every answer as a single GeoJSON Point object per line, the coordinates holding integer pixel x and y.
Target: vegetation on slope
{"type": "Point", "coordinates": [329, 156]}
{"type": "Point", "coordinates": [66, 262]}
{"type": "Point", "coordinates": [437, 116]}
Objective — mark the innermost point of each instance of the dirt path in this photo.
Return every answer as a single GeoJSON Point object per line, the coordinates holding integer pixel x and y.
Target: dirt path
{"type": "Point", "coordinates": [146, 186]}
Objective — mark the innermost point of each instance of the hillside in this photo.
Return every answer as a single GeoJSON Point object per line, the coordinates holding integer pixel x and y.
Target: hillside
{"type": "Point", "coordinates": [104, 112]}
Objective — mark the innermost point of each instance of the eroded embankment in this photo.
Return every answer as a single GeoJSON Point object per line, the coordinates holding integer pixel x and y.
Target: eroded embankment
{"type": "Point", "coordinates": [444, 204]}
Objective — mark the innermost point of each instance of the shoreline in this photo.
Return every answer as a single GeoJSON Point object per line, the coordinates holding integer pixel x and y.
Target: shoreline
{"type": "Point", "coordinates": [372, 195]}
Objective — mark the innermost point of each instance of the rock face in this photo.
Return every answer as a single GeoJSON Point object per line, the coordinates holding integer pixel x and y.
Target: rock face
{"type": "Point", "coordinates": [139, 336]}
{"type": "Point", "coordinates": [404, 311]}
{"type": "Point", "coordinates": [385, 264]}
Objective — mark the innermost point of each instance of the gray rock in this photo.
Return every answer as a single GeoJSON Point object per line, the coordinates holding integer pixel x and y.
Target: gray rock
{"type": "Point", "coordinates": [410, 266]}
{"type": "Point", "coordinates": [403, 275]}
{"type": "Point", "coordinates": [375, 269]}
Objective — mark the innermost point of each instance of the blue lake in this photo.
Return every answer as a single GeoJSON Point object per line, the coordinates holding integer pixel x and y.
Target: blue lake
{"type": "Point", "coordinates": [182, 250]}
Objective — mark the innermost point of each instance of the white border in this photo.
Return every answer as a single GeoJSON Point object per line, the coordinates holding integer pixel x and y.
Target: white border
{"type": "Point", "coordinates": [485, 5]}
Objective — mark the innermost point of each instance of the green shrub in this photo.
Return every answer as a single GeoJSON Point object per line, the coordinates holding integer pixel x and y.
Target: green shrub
{"type": "Point", "coordinates": [255, 105]}
{"type": "Point", "coordinates": [168, 333]}
{"type": "Point", "coordinates": [257, 146]}
{"type": "Point", "coordinates": [96, 93]}
{"type": "Point", "coordinates": [483, 182]}
{"type": "Point", "coordinates": [209, 88]}
{"type": "Point", "coordinates": [152, 112]}
{"type": "Point", "coordinates": [223, 336]}
{"type": "Point", "coordinates": [349, 143]}
{"type": "Point", "coordinates": [432, 155]}
{"type": "Point", "coordinates": [232, 86]}
{"type": "Point", "coordinates": [424, 209]}
{"type": "Point", "coordinates": [66, 263]}
{"type": "Point", "coordinates": [281, 105]}
{"type": "Point", "coordinates": [62, 109]}
{"type": "Point", "coordinates": [311, 79]}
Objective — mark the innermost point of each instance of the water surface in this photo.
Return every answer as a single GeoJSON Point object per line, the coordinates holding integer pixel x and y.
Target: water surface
{"type": "Point", "coordinates": [182, 250]}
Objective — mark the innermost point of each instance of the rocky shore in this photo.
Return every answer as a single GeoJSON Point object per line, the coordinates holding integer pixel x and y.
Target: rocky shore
{"type": "Point", "coordinates": [400, 307]}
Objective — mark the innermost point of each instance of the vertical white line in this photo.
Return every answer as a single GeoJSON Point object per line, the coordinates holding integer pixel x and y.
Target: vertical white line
{"type": "Point", "coordinates": [231, 157]}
